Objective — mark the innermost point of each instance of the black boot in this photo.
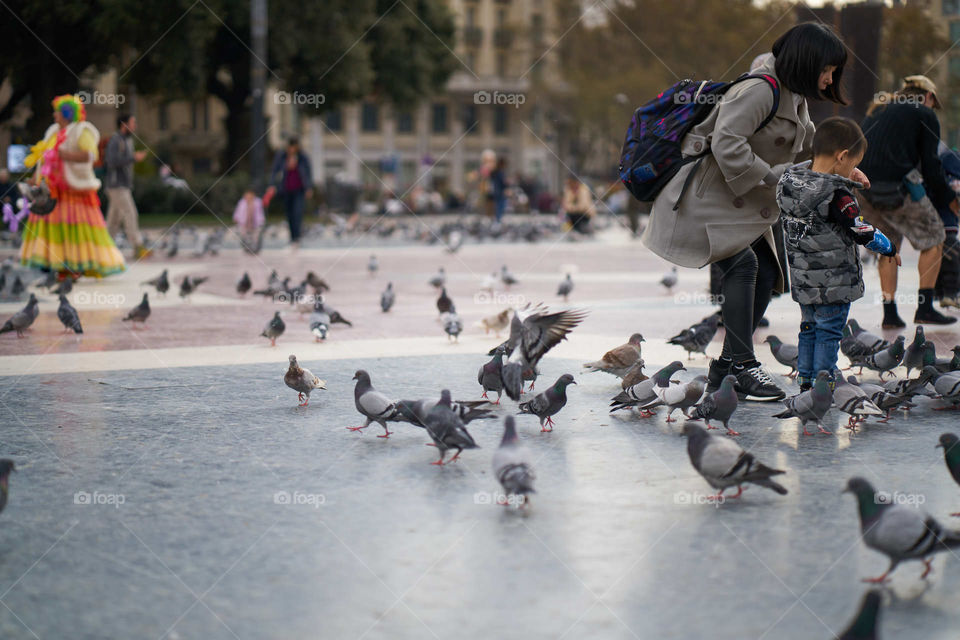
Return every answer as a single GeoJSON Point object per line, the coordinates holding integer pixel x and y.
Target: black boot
{"type": "Point", "coordinates": [926, 314]}
{"type": "Point", "coordinates": [891, 319]}
{"type": "Point", "coordinates": [718, 369]}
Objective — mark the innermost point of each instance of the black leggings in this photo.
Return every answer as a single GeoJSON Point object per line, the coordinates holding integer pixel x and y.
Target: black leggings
{"type": "Point", "coordinates": [748, 281]}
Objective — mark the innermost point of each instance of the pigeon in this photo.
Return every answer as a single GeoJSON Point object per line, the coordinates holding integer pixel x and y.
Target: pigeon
{"type": "Point", "coordinates": [444, 303]}
{"type": "Point", "coordinates": [372, 266]}
{"type": "Point", "coordinates": [6, 466]}
{"type": "Point", "coordinates": [857, 343]}
{"type": "Point", "coordinates": [489, 375]}
{"type": "Point", "coordinates": [372, 404]}
{"type": "Point", "coordinates": [634, 376]}
{"type": "Point", "coordinates": [496, 323]}
{"type": "Point", "coordinates": [948, 388]}
{"type": "Point", "coordinates": [302, 381]}
{"type": "Point", "coordinates": [452, 325]}
{"type": "Point", "coordinates": [139, 313]}
{"type": "Point", "coordinates": [642, 393]}
{"type": "Point", "coordinates": [507, 278]}
{"type": "Point", "coordinates": [786, 354]}
{"type": "Point", "coordinates": [244, 284]}
{"type": "Point", "coordinates": [898, 531]}
{"type": "Point", "coordinates": [549, 403]}
{"type": "Point", "coordinates": [415, 411]}
{"type": "Point", "coordinates": [853, 401]}
{"type": "Point", "coordinates": [447, 430]}
{"type": "Point", "coordinates": [319, 322]}
{"type": "Point", "coordinates": [669, 280]}
{"type": "Point", "coordinates": [274, 329]}
{"type": "Point", "coordinates": [454, 241]}
{"type": "Point", "coordinates": [18, 287]}
{"type": "Point", "coordinates": [3, 280]}
{"type": "Point", "coordinates": [387, 298]}
{"type": "Point", "coordinates": [864, 626]}
{"type": "Point", "coordinates": [678, 396]}
{"type": "Point", "coordinates": [336, 318]}
{"type": "Point", "coordinates": [719, 405]}
{"type": "Point", "coordinates": [885, 400]}
{"type": "Point", "coordinates": [950, 444]}
{"type": "Point", "coordinates": [951, 364]}
{"type": "Point", "coordinates": [696, 338]}
{"type": "Point", "coordinates": [810, 405]}
{"type": "Point", "coordinates": [189, 285]}
{"type": "Point", "coordinates": [64, 288]}
{"type": "Point", "coordinates": [512, 467]}
{"type": "Point", "coordinates": [911, 387]}
{"type": "Point", "coordinates": [22, 319]}
{"type": "Point", "coordinates": [68, 315]}
{"type": "Point", "coordinates": [174, 244]}
{"type": "Point", "coordinates": [620, 359]}
{"type": "Point", "coordinates": [439, 280]}
{"type": "Point", "coordinates": [566, 286]}
{"type": "Point", "coordinates": [913, 356]}
{"type": "Point", "coordinates": [45, 283]}
{"type": "Point", "coordinates": [161, 283]}
{"type": "Point", "coordinates": [723, 463]}
{"type": "Point", "coordinates": [533, 332]}
{"type": "Point", "coordinates": [319, 284]}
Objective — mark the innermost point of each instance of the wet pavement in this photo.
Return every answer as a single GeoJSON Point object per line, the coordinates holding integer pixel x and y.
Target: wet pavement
{"type": "Point", "coordinates": [159, 500]}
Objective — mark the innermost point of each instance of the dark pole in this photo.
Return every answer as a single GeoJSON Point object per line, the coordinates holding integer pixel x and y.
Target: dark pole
{"type": "Point", "coordinates": [258, 84]}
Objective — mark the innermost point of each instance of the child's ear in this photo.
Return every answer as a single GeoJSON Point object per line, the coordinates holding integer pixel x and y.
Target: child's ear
{"type": "Point", "coordinates": [842, 155]}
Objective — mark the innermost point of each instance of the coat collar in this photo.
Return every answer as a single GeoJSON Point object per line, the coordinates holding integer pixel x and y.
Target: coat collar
{"type": "Point", "coordinates": [788, 109]}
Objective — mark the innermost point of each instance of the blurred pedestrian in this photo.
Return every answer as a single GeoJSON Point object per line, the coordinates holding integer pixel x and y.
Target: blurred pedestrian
{"type": "Point", "coordinates": [119, 159]}
{"type": "Point", "coordinates": [948, 280]}
{"type": "Point", "coordinates": [8, 190]}
{"type": "Point", "coordinates": [249, 218]}
{"type": "Point", "coordinates": [902, 137]}
{"type": "Point", "coordinates": [577, 205]}
{"type": "Point", "coordinates": [292, 178]}
{"type": "Point", "coordinates": [498, 188]}
{"type": "Point", "coordinates": [488, 164]}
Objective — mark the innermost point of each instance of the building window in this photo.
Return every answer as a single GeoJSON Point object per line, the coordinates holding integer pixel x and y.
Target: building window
{"type": "Point", "coordinates": [954, 67]}
{"type": "Point", "coordinates": [501, 65]}
{"type": "Point", "coordinates": [404, 122]}
{"type": "Point", "coordinates": [163, 116]}
{"type": "Point", "coordinates": [471, 123]}
{"type": "Point", "coordinates": [951, 7]}
{"type": "Point", "coordinates": [536, 28]}
{"type": "Point", "coordinates": [955, 31]}
{"type": "Point", "coordinates": [334, 120]}
{"type": "Point", "coordinates": [501, 124]}
{"type": "Point", "coordinates": [501, 17]}
{"type": "Point", "coordinates": [370, 117]}
{"type": "Point", "coordinates": [471, 16]}
{"type": "Point", "coordinates": [472, 61]}
{"type": "Point", "coordinates": [439, 118]}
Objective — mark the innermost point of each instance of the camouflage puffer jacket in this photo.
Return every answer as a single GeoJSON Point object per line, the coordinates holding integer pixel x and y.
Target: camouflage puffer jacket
{"type": "Point", "coordinates": [824, 259]}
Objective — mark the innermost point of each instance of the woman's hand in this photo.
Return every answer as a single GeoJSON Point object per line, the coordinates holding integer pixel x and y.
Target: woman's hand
{"type": "Point", "coordinates": [861, 177]}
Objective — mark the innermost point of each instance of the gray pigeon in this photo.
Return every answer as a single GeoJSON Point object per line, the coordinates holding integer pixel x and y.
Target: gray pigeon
{"type": "Point", "coordinates": [452, 325]}
{"type": "Point", "coordinates": [22, 319]}
{"type": "Point", "coordinates": [447, 430]}
{"type": "Point", "coordinates": [914, 386]}
{"type": "Point", "coordinates": [723, 463]}
{"type": "Point", "coordinates": [507, 278]}
{"type": "Point", "coordinates": [244, 284]}
{"type": "Point", "coordinates": [913, 356]}
{"type": "Point", "coordinates": [810, 405]}
{"type": "Point", "coordinates": [274, 329]}
{"type": "Point", "coordinates": [415, 411]}
{"type": "Point", "coordinates": [634, 376]}
{"type": "Point", "coordinates": [786, 354]}
{"type": "Point", "coordinates": [566, 286]}
{"type": "Point", "coordinates": [885, 400]}
{"type": "Point", "coordinates": [189, 285]}
{"type": "Point", "coordinates": [511, 465]}
{"type": "Point", "coordinates": [64, 288]}
{"type": "Point", "coordinates": [899, 531]}
{"type": "Point", "coordinates": [387, 298]}
{"type": "Point", "coordinates": [371, 404]}
{"type": "Point", "coordinates": [950, 444]}
{"type": "Point", "coordinates": [6, 466]}
{"type": "Point", "coordinates": [678, 396]}
{"type": "Point", "coordinates": [719, 405]}
{"type": "Point", "coordinates": [139, 313]}
{"type": "Point", "coordinates": [696, 338]}
{"type": "Point", "coordinates": [549, 403]}
{"type": "Point", "coordinates": [302, 381]}
{"type": "Point", "coordinates": [68, 315]}
{"type": "Point", "coordinates": [444, 303]}
{"type": "Point", "coordinates": [669, 280]}
{"type": "Point", "coordinates": [319, 322]}
{"type": "Point", "coordinates": [161, 283]}
{"type": "Point", "coordinates": [948, 388]}
{"type": "Point", "coordinates": [372, 266]}
{"type": "Point", "coordinates": [439, 280]}
{"type": "Point", "coordinates": [855, 402]}
{"type": "Point", "coordinates": [886, 359]}
{"type": "Point", "coordinates": [489, 375]}
{"type": "Point", "coordinates": [643, 393]}
{"type": "Point", "coordinates": [619, 360]}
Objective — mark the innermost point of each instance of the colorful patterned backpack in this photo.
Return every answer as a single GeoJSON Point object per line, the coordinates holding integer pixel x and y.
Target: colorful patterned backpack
{"type": "Point", "coordinates": [651, 155]}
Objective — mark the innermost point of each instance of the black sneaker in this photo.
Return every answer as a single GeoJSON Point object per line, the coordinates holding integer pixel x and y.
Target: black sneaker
{"type": "Point", "coordinates": [930, 315]}
{"type": "Point", "coordinates": [754, 384]}
{"type": "Point", "coordinates": [718, 369]}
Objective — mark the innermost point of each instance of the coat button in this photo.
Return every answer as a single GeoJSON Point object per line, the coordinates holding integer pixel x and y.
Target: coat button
{"type": "Point", "coordinates": [697, 146]}
{"type": "Point", "coordinates": [765, 212]}
{"type": "Point", "coordinates": [738, 202]}
{"type": "Point", "coordinates": [780, 141]}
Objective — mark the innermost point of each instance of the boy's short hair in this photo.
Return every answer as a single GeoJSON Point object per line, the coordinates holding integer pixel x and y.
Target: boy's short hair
{"type": "Point", "coordinates": [836, 134]}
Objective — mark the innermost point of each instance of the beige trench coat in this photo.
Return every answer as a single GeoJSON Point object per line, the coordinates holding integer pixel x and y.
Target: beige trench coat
{"type": "Point", "coordinates": [726, 207]}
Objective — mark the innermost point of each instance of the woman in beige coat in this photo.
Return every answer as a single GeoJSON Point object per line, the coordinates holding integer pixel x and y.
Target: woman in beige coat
{"type": "Point", "coordinates": [726, 214]}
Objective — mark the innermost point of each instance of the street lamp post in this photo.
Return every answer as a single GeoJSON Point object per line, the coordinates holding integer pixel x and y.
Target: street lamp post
{"type": "Point", "coordinates": [258, 82]}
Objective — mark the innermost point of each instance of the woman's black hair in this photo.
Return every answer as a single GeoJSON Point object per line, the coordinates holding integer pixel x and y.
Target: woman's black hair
{"type": "Point", "coordinates": [803, 53]}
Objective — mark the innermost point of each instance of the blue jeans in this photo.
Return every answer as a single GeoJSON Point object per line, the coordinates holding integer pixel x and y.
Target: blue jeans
{"type": "Point", "coordinates": [821, 327]}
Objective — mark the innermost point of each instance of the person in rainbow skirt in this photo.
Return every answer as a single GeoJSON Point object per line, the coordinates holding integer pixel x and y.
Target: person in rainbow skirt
{"type": "Point", "coordinates": [71, 240]}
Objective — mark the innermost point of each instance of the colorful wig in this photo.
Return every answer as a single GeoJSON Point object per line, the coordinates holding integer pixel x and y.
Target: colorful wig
{"type": "Point", "coordinates": [70, 107]}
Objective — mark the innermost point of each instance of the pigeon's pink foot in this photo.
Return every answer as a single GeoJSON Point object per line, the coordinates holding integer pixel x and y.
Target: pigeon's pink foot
{"type": "Point", "coordinates": [806, 433]}
{"type": "Point", "coordinates": [710, 426]}
{"type": "Point", "coordinates": [357, 428]}
{"type": "Point", "coordinates": [498, 401]}
{"type": "Point", "coordinates": [822, 430]}
{"type": "Point", "coordinates": [737, 494]}
{"type": "Point", "coordinates": [877, 580]}
{"type": "Point", "coordinates": [455, 457]}
{"type": "Point", "coordinates": [669, 419]}
{"type": "Point", "coordinates": [438, 463]}
{"type": "Point", "coordinates": [927, 569]}
{"type": "Point", "coordinates": [731, 432]}
{"type": "Point", "coordinates": [955, 515]}
{"type": "Point", "coordinates": [303, 404]}
{"type": "Point", "coordinates": [385, 435]}
{"type": "Point", "coordinates": [543, 429]}
{"type": "Point", "coordinates": [714, 498]}
{"type": "Point", "coordinates": [431, 444]}
{"type": "Point", "coordinates": [273, 342]}
{"type": "Point", "coordinates": [484, 396]}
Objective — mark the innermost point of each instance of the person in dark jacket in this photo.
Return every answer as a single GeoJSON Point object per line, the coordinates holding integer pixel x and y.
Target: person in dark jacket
{"type": "Point", "coordinates": [948, 280]}
{"type": "Point", "coordinates": [119, 159]}
{"type": "Point", "coordinates": [822, 228]}
{"type": "Point", "coordinates": [293, 180]}
{"type": "Point", "coordinates": [903, 135]}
